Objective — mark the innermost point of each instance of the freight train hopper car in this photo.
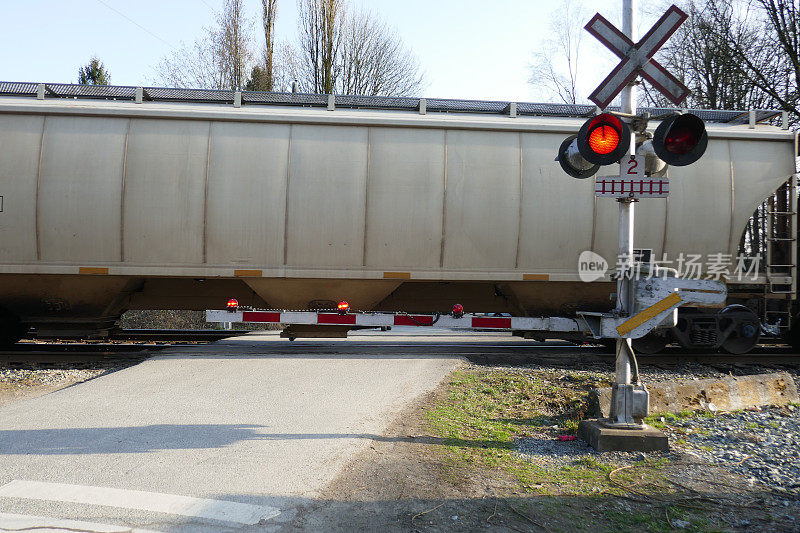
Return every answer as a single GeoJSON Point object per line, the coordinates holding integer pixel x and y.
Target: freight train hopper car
{"type": "Point", "coordinates": [118, 198]}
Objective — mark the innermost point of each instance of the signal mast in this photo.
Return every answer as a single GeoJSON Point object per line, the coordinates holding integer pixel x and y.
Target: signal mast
{"type": "Point", "coordinates": [621, 137]}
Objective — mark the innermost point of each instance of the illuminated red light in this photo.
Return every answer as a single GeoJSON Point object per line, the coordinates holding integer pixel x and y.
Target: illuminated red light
{"type": "Point", "coordinates": [233, 303]}
{"type": "Point", "coordinates": [604, 139]}
{"type": "Point", "coordinates": [343, 307]}
{"type": "Point", "coordinates": [458, 310]}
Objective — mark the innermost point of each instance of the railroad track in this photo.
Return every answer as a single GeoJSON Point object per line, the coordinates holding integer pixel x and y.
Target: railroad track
{"type": "Point", "coordinates": [121, 346]}
{"type": "Point", "coordinates": [137, 345]}
{"type": "Point", "coordinates": [761, 355]}
{"type": "Point", "coordinates": [174, 335]}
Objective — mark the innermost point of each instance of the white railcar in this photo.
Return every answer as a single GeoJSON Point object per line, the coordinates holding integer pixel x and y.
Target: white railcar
{"type": "Point", "coordinates": [110, 204]}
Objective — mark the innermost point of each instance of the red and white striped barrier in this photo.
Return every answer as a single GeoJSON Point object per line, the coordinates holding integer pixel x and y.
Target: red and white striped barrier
{"type": "Point", "coordinates": [466, 321]}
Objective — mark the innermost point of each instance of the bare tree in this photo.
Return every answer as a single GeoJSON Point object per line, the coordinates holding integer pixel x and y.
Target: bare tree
{"type": "Point", "coordinates": [217, 60]}
{"type": "Point", "coordinates": [270, 11]}
{"type": "Point", "coordinates": [703, 54]}
{"type": "Point", "coordinates": [373, 60]}
{"type": "Point", "coordinates": [288, 69]}
{"type": "Point", "coordinates": [233, 44]}
{"type": "Point", "coordinates": [196, 65]}
{"type": "Point", "coordinates": [782, 25]}
{"type": "Point", "coordinates": [320, 29]}
{"type": "Point", "coordinates": [346, 51]}
{"type": "Point", "coordinates": [554, 69]}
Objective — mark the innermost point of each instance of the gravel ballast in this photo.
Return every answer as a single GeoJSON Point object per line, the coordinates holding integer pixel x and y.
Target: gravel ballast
{"type": "Point", "coordinates": [761, 444]}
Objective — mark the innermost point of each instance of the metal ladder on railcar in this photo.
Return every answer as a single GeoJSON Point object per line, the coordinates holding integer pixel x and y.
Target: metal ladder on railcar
{"type": "Point", "coordinates": [781, 257]}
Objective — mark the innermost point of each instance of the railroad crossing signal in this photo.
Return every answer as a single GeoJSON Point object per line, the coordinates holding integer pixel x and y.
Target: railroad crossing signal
{"type": "Point", "coordinates": [679, 140]}
{"type": "Point", "coordinates": [605, 139]}
{"type": "Point", "coordinates": [637, 59]}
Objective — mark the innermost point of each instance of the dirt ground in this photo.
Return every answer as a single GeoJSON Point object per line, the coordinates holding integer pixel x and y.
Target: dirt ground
{"type": "Point", "coordinates": [414, 479]}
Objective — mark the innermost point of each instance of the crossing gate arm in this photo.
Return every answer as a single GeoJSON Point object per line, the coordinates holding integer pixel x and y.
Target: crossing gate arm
{"type": "Point", "coordinates": [655, 303]}
{"type": "Point", "coordinates": [367, 319]}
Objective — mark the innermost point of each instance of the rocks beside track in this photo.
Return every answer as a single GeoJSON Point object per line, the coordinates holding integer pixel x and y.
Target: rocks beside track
{"type": "Point", "coordinates": [20, 383]}
{"type": "Point", "coordinates": [24, 377]}
{"type": "Point", "coordinates": [761, 444]}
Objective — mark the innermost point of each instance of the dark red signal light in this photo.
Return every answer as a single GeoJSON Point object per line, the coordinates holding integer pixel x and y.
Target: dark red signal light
{"type": "Point", "coordinates": [680, 140]}
{"type": "Point", "coordinates": [458, 311]}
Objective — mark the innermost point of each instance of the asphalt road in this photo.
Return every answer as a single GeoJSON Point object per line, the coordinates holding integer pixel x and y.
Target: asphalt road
{"type": "Point", "coordinates": [200, 438]}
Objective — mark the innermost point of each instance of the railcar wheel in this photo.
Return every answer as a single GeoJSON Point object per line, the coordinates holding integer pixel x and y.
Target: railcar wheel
{"type": "Point", "coordinates": [650, 344]}
{"type": "Point", "coordinates": [743, 328]}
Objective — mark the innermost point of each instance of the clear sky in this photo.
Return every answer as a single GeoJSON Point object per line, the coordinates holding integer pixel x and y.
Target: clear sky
{"type": "Point", "coordinates": [467, 48]}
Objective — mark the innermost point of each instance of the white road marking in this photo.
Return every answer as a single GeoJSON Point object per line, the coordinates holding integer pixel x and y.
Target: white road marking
{"type": "Point", "coordinates": [9, 521]}
{"type": "Point", "coordinates": [240, 513]}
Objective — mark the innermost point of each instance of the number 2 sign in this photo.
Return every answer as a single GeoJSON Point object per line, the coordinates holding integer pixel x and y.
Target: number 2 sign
{"type": "Point", "coordinates": [632, 168]}
{"type": "Point", "coordinates": [632, 183]}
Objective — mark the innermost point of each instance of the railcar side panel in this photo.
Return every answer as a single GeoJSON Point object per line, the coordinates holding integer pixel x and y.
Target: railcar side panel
{"type": "Point", "coordinates": [482, 200]}
{"type": "Point", "coordinates": [165, 191]}
{"type": "Point", "coordinates": [754, 165]}
{"type": "Point", "coordinates": [566, 204]}
{"type": "Point", "coordinates": [20, 146]}
{"type": "Point", "coordinates": [246, 208]}
{"type": "Point", "coordinates": [699, 212]}
{"type": "Point", "coordinates": [404, 198]}
{"type": "Point", "coordinates": [80, 189]}
{"type": "Point", "coordinates": [327, 193]}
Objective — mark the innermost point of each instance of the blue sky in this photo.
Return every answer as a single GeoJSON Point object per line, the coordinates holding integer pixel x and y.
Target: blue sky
{"type": "Point", "coordinates": [468, 48]}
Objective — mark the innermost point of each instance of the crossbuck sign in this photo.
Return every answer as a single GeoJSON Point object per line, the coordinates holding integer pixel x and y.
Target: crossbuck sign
{"type": "Point", "coordinates": [637, 59]}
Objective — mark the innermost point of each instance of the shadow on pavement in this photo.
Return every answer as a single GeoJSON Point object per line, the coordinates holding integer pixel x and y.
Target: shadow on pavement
{"type": "Point", "coordinates": [143, 439]}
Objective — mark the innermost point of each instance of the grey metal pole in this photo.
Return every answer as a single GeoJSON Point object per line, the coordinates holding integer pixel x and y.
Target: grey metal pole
{"type": "Point", "coordinates": [626, 217]}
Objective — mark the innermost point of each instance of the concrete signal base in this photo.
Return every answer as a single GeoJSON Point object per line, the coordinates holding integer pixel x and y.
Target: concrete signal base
{"type": "Point", "coordinates": [605, 439]}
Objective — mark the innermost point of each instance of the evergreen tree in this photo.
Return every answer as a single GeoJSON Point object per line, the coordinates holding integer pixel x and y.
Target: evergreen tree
{"type": "Point", "coordinates": [94, 73]}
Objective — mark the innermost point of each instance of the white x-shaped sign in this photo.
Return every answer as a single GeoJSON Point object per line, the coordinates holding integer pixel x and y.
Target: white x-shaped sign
{"type": "Point", "coordinates": [638, 58]}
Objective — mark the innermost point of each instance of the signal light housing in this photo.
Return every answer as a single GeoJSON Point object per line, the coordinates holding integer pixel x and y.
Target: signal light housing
{"type": "Point", "coordinates": [233, 304]}
{"type": "Point", "coordinates": [458, 311]}
{"type": "Point", "coordinates": [572, 162]}
{"type": "Point", "coordinates": [604, 139]}
{"type": "Point", "coordinates": [343, 307]}
{"type": "Point", "coordinates": [680, 140]}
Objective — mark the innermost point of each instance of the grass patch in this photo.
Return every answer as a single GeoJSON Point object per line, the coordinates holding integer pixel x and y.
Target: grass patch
{"type": "Point", "coordinates": [486, 411]}
{"type": "Point", "coordinates": [661, 420]}
{"type": "Point", "coordinates": [483, 414]}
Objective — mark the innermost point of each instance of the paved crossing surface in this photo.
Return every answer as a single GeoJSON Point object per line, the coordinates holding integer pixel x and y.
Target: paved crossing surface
{"type": "Point", "coordinates": [221, 436]}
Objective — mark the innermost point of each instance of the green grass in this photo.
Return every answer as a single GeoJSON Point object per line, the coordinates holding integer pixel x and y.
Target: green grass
{"type": "Point", "coordinates": [486, 412]}
{"type": "Point", "coordinates": [654, 419]}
